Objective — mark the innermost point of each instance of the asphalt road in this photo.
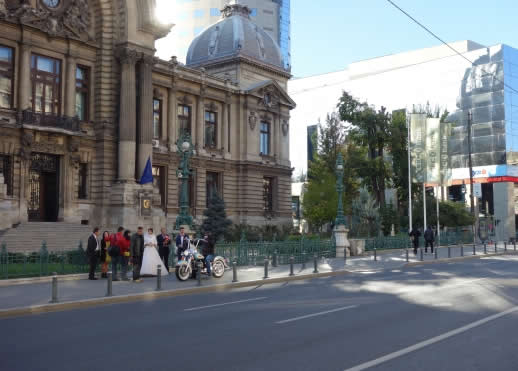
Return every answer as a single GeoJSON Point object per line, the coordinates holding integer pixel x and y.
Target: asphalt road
{"type": "Point", "coordinates": [456, 316]}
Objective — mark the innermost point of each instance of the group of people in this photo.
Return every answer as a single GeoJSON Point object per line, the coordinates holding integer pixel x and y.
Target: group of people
{"type": "Point", "coordinates": [429, 239]}
{"type": "Point", "coordinates": [145, 252]}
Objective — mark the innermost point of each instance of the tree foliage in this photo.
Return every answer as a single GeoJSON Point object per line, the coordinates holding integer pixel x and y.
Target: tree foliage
{"type": "Point", "coordinates": [370, 129]}
{"type": "Point", "coordinates": [215, 222]}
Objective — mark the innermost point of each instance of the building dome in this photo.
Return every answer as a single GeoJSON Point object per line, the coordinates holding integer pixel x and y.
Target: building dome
{"type": "Point", "coordinates": [235, 35]}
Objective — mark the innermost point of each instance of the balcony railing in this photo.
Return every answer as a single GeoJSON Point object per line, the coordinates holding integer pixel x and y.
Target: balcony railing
{"type": "Point", "coordinates": [50, 121]}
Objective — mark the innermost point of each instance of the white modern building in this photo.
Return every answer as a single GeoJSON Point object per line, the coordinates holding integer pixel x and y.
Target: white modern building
{"type": "Point", "coordinates": [440, 77]}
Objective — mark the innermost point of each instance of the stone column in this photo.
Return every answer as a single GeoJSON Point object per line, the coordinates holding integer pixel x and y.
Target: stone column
{"type": "Point", "coordinates": [172, 129]}
{"type": "Point", "coordinates": [200, 123]}
{"type": "Point", "coordinates": [70, 87]}
{"type": "Point", "coordinates": [224, 128]}
{"type": "Point", "coordinates": [127, 116]}
{"type": "Point", "coordinates": [145, 125]}
{"type": "Point", "coordinates": [24, 91]}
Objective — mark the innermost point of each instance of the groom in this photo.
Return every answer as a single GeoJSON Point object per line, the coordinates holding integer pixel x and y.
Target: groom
{"type": "Point", "coordinates": [137, 252]}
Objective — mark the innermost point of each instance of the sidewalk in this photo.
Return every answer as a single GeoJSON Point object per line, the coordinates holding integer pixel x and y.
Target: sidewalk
{"type": "Point", "coordinates": [39, 293]}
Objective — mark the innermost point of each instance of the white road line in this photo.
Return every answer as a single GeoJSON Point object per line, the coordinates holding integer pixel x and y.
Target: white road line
{"type": "Point", "coordinates": [431, 341]}
{"type": "Point", "coordinates": [222, 304]}
{"type": "Point", "coordinates": [315, 314]}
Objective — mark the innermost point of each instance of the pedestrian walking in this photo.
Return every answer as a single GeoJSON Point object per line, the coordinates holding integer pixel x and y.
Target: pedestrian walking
{"type": "Point", "coordinates": [429, 239]}
{"type": "Point", "coordinates": [105, 257]}
{"type": "Point", "coordinates": [164, 242]}
{"type": "Point", "coordinates": [137, 252]}
{"type": "Point", "coordinates": [93, 249]}
{"type": "Point", "coordinates": [125, 254]}
{"type": "Point", "coordinates": [115, 252]}
{"type": "Point", "coordinates": [414, 235]}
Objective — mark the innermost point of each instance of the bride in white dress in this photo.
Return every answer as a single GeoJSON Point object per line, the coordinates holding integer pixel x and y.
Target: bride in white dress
{"type": "Point", "coordinates": [151, 259]}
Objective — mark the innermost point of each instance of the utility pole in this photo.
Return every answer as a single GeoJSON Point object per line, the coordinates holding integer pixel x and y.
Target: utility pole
{"type": "Point", "coordinates": [470, 164]}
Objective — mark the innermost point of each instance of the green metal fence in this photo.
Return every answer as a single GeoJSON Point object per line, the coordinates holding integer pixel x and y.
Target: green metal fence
{"type": "Point", "coordinates": [254, 253]}
{"type": "Point", "coordinates": [403, 241]}
{"type": "Point", "coordinates": [42, 263]}
{"type": "Point", "coordinates": [45, 263]}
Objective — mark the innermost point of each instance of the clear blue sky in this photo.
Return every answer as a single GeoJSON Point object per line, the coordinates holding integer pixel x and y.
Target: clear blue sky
{"type": "Point", "coordinates": [327, 35]}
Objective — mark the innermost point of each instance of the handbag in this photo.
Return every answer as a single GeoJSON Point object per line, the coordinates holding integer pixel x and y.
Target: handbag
{"type": "Point", "coordinates": [108, 259]}
{"type": "Point", "coordinates": [126, 253]}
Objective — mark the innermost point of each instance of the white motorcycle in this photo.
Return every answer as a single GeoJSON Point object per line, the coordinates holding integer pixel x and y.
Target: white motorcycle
{"type": "Point", "coordinates": [188, 265]}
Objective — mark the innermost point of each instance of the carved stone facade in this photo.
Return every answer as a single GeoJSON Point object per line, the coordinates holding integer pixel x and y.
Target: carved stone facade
{"type": "Point", "coordinates": [134, 106]}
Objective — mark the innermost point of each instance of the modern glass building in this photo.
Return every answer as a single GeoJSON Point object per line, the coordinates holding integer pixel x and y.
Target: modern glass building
{"type": "Point", "coordinates": [438, 77]}
{"type": "Point", "coordinates": [193, 16]}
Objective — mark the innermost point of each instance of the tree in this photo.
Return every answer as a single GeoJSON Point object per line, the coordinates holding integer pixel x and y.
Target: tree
{"type": "Point", "coordinates": [215, 222]}
{"type": "Point", "coordinates": [320, 199]}
{"type": "Point", "coordinates": [369, 129]}
{"type": "Point", "coordinates": [399, 153]}
{"type": "Point", "coordinates": [389, 218]}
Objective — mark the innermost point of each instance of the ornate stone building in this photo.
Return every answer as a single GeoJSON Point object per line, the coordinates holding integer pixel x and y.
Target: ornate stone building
{"type": "Point", "coordinates": [84, 103]}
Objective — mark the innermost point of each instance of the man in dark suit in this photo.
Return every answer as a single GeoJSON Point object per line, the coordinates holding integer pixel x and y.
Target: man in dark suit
{"type": "Point", "coordinates": [92, 251]}
{"type": "Point", "coordinates": [163, 240]}
{"type": "Point", "coordinates": [137, 252]}
{"type": "Point", "coordinates": [180, 243]}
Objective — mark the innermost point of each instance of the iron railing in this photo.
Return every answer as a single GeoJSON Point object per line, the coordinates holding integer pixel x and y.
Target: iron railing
{"type": "Point", "coordinates": [403, 241]}
{"type": "Point", "coordinates": [51, 120]}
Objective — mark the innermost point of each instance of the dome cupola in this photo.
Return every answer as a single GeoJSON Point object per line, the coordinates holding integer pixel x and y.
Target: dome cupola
{"type": "Point", "coordinates": [234, 35]}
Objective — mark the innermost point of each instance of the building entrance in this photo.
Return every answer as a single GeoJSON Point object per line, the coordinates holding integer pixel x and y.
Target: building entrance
{"type": "Point", "coordinates": [43, 203]}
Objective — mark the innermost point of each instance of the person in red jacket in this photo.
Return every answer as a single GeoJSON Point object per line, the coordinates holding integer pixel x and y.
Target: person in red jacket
{"type": "Point", "coordinates": [124, 245]}
{"type": "Point", "coordinates": [115, 251]}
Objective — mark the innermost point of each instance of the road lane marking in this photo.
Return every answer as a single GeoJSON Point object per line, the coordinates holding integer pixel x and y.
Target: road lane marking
{"type": "Point", "coordinates": [431, 341]}
{"type": "Point", "coordinates": [222, 304]}
{"type": "Point", "coordinates": [315, 314]}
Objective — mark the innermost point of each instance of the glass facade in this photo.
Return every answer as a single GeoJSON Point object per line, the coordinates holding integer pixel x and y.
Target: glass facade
{"type": "Point", "coordinates": [284, 32]}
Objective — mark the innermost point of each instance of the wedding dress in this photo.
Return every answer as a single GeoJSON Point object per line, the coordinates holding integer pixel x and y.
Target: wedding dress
{"type": "Point", "coordinates": [151, 259]}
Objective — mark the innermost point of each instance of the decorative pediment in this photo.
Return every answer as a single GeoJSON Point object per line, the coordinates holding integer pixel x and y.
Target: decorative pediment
{"type": "Point", "coordinates": [69, 18]}
{"type": "Point", "coordinates": [184, 100]}
{"type": "Point", "coordinates": [270, 95]}
{"type": "Point", "coordinates": [211, 107]}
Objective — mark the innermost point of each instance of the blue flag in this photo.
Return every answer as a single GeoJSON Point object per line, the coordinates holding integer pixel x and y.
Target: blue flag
{"type": "Point", "coordinates": [147, 175]}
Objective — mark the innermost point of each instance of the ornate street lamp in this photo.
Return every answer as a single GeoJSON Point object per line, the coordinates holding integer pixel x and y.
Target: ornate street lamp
{"type": "Point", "coordinates": [340, 219]}
{"type": "Point", "coordinates": [186, 151]}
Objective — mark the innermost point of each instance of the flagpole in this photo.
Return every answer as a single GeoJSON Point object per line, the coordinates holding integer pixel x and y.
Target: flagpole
{"type": "Point", "coordinates": [438, 224]}
{"type": "Point", "coordinates": [409, 178]}
{"type": "Point", "coordinates": [424, 207]}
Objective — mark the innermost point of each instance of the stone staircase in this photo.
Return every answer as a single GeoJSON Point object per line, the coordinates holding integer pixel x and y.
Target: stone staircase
{"type": "Point", "coordinates": [28, 237]}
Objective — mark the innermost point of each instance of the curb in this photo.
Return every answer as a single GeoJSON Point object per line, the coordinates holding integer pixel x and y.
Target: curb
{"type": "Point", "coordinates": [152, 295]}
{"type": "Point", "coordinates": [459, 258]}
{"type": "Point", "coordinates": [45, 279]}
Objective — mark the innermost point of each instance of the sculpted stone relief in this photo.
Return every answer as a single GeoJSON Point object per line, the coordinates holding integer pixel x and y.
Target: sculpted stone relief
{"type": "Point", "coordinates": [68, 18]}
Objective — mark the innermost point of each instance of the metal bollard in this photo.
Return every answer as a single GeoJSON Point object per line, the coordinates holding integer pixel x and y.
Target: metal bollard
{"type": "Point", "coordinates": [109, 284]}
{"type": "Point", "coordinates": [315, 264]}
{"type": "Point", "coordinates": [406, 253]}
{"type": "Point", "coordinates": [159, 278]}
{"type": "Point", "coordinates": [505, 246]}
{"type": "Point", "coordinates": [54, 298]}
{"type": "Point", "coordinates": [496, 247]}
{"type": "Point", "coordinates": [485, 249]}
{"type": "Point", "coordinates": [345, 255]}
{"type": "Point", "coordinates": [198, 274]}
{"type": "Point", "coordinates": [274, 260]}
{"type": "Point", "coordinates": [449, 251]}
{"type": "Point", "coordinates": [291, 265]}
{"type": "Point", "coordinates": [462, 250]}
{"type": "Point", "coordinates": [303, 260]}
{"type": "Point", "coordinates": [265, 269]}
{"type": "Point", "coordinates": [234, 271]}
{"type": "Point", "coordinates": [421, 254]}
{"type": "Point", "coordinates": [375, 255]}
{"type": "Point", "coordinates": [435, 252]}
{"type": "Point", "coordinates": [474, 250]}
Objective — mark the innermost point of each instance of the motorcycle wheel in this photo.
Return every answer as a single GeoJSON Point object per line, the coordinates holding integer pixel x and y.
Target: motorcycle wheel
{"type": "Point", "coordinates": [183, 272]}
{"type": "Point", "coordinates": [218, 269]}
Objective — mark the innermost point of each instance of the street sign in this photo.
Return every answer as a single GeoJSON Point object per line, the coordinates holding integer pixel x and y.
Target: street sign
{"type": "Point", "coordinates": [477, 190]}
